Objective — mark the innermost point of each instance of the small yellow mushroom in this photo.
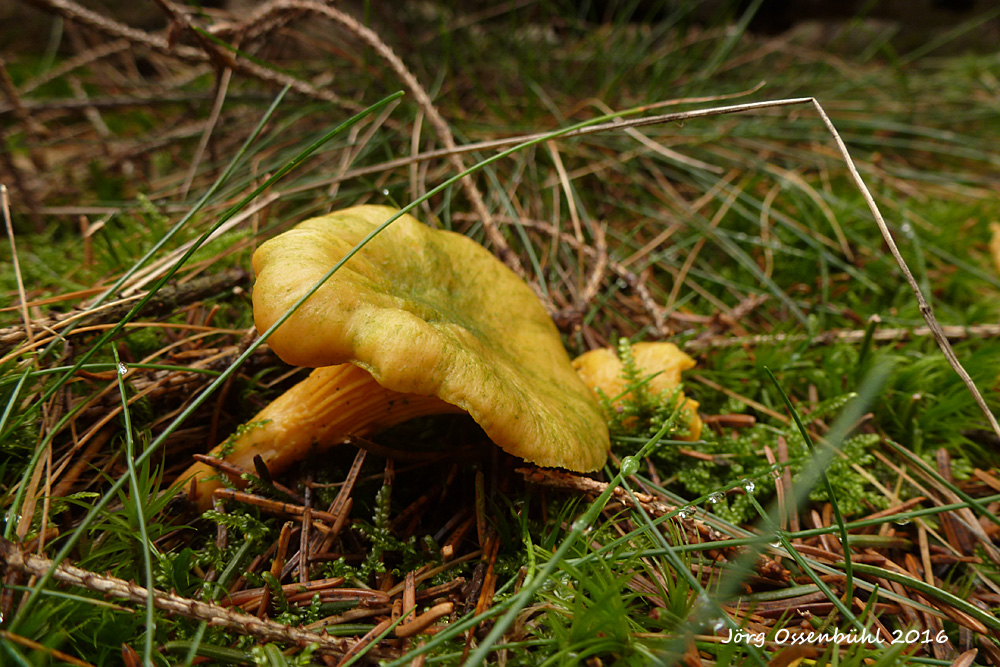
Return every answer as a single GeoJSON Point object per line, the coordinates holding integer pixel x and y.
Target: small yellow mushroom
{"type": "Point", "coordinates": [602, 369]}
{"type": "Point", "coordinates": [418, 322]}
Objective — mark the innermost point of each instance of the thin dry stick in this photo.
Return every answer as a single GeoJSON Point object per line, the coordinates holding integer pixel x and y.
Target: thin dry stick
{"type": "Point", "coordinates": [699, 244]}
{"type": "Point", "coordinates": [574, 216]}
{"type": "Point", "coordinates": [107, 26]}
{"type": "Point", "coordinates": [167, 300]}
{"type": "Point", "coordinates": [259, 24]}
{"type": "Point", "coordinates": [656, 147]}
{"type": "Point", "coordinates": [355, 146]}
{"type": "Point", "coordinates": [5, 209]}
{"type": "Point", "coordinates": [363, 643]}
{"type": "Point", "coordinates": [80, 60]}
{"type": "Point", "coordinates": [572, 482]}
{"type": "Point", "coordinates": [507, 142]}
{"type": "Point", "coordinates": [213, 119]}
{"type": "Point", "coordinates": [112, 587]}
{"type": "Point", "coordinates": [50, 415]}
{"type": "Point", "coordinates": [846, 335]}
{"type": "Point", "coordinates": [596, 277]}
{"type": "Point", "coordinates": [424, 620]}
{"type": "Point", "coordinates": [593, 284]}
{"type": "Point", "coordinates": [925, 309]}
{"type": "Point", "coordinates": [415, 190]}
{"type": "Point", "coordinates": [112, 28]}
{"type": "Point", "coordinates": [208, 331]}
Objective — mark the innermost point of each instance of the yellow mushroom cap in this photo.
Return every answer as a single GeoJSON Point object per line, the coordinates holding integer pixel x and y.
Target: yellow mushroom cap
{"type": "Point", "coordinates": [432, 313]}
{"type": "Point", "coordinates": [602, 369]}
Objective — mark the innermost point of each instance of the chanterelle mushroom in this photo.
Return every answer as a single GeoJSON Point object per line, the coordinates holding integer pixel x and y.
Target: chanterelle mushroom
{"type": "Point", "coordinates": [602, 369]}
{"type": "Point", "coordinates": [419, 322]}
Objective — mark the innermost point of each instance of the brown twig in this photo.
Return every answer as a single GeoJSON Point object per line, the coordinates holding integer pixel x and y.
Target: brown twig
{"type": "Point", "coordinates": [222, 88]}
{"type": "Point", "coordinates": [165, 301]}
{"type": "Point", "coordinates": [108, 26]}
{"type": "Point", "coordinates": [267, 505]}
{"type": "Point", "coordinates": [114, 29]}
{"type": "Point", "coordinates": [120, 589]}
{"type": "Point", "coordinates": [81, 60]}
{"type": "Point", "coordinates": [424, 620]}
{"type": "Point", "coordinates": [8, 224]}
{"type": "Point", "coordinates": [847, 336]}
{"type": "Point", "coordinates": [363, 643]}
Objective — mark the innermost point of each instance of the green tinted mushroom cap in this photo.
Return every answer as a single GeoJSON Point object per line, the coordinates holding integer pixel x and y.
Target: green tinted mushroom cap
{"type": "Point", "coordinates": [431, 313]}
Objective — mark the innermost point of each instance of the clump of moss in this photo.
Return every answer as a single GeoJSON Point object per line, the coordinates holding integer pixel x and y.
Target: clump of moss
{"type": "Point", "coordinates": [641, 411]}
{"type": "Point", "coordinates": [716, 462]}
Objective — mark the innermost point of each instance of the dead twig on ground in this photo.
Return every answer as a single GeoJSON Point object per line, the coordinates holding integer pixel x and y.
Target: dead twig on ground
{"type": "Point", "coordinates": [846, 335]}
{"type": "Point", "coordinates": [213, 614]}
{"type": "Point", "coordinates": [167, 300]}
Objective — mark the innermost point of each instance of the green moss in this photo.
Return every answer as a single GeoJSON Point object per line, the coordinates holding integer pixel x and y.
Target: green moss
{"type": "Point", "coordinates": [643, 412]}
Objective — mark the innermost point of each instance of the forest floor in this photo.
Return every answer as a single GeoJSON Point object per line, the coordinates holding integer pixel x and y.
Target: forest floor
{"type": "Point", "coordinates": [813, 217]}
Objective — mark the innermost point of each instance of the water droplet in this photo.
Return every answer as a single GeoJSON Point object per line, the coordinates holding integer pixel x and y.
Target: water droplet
{"type": "Point", "coordinates": [630, 465]}
{"type": "Point", "coordinates": [716, 497]}
{"type": "Point", "coordinates": [706, 613]}
{"type": "Point", "coordinates": [581, 525]}
{"type": "Point", "coordinates": [122, 368]}
{"type": "Point", "coordinates": [748, 485]}
{"type": "Point", "coordinates": [903, 521]}
{"type": "Point", "coordinates": [385, 192]}
{"type": "Point", "coordinates": [685, 512]}
{"type": "Point", "coordinates": [907, 229]}
{"type": "Point", "coordinates": [776, 473]}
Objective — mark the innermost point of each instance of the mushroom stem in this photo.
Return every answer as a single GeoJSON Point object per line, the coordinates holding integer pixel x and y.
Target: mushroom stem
{"type": "Point", "coordinates": [332, 403]}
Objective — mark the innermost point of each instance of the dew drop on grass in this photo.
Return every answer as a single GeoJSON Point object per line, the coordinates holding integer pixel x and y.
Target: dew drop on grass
{"type": "Point", "coordinates": [685, 512]}
{"type": "Point", "coordinates": [716, 497]}
{"type": "Point", "coordinates": [385, 192]}
{"type": "Point", "coordinates": [122, 368]}
{"type": "Point", "coordinates": [581, 525]}
{"type": "Point", "coordinates": [630, 465]}
{"type": "Point", "coordinates": [904, 521]}
{"type": "Point", "coordinates": [748, 485]}
{"type": "Point", "coordinates": [706, 614]}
